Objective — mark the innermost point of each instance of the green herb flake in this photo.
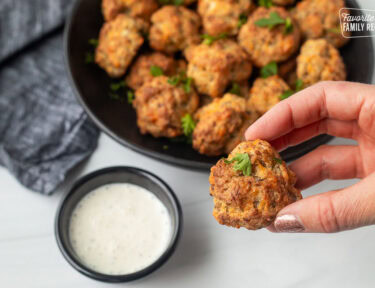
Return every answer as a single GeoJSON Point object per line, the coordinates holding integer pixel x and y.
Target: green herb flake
{"type": "Point", "coordinates": [299, 85]}
{"type": "Point", "coordinates": [188, 125]}
{"type": "Point", "coordinates": [178, 2]}
{"type": "Point", "coordinates": [277, 160]}
{"type": "Point", "coordinates": [130, 96]}
{"type": "Point", "coordinates": [117, 85]}
{"type": "Point", "coordinates": [241, 20]}
{"type": "Point", "coordinates": [235, 89]}
{"type": "Point", "coordinates": [89, 58]}
{"type": "Point", "coordinates": [94, 42]}
{"type": "Point", "coordinates": [288, 26]}
{"type": "Point", "coordinates": [208, 39]}
{"type": "Point", "coordinates": [156, 71]}
{"type": "Point", "coordinates": [175, 80]}
{"type": "Point", "coordinates": [265, 3]}
{"type": "Point", "coordinates": [187, 84]}
{"type": "Point", "coordinates": [242, 163]}
{"type": "Point", "coordinates": [171, 2]}
{"type": "Point", "coordinates": [269, 70]}
{"type": "Point", "coordinates": [286, 94]}
{"type": "Point", "coordinates": [273, 20]}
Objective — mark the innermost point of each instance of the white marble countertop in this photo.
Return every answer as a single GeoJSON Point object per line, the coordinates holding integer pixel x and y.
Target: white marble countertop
{"type": "Point", "coordinates": [209, 254]}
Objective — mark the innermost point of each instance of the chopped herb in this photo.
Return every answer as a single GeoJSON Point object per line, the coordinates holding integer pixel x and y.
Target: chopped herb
{"type": "Point", "coordinates": [269, 70]}
{"type": "Point", "coordinates": [187, 84]}
{"type": "Point", "coordinates": [265, 3]}
{"type": "Point", "coordinates": [188, 125]}
{"type": "Point", "coordinates": [286, 94]}
{"type": "Point", "coordinates": [336, 30]}
{"type": "Point", "coordinates": [156, 71]}
{"type": "Point", "coordinates": [243, 163]}
{"type": "Point", "coordinates": [178, 2]}
{"type": "Point", "coordinates": [299, 85]}
{"type": "Point", "coordinates": [175, 80]}
{"type": "Point", "coordinates": [171, 2]}
{"type": "Point", "coordinates": [117, 85]}
{"type": "Point", "coordinates": [165, 147]}
{"type": "Point", "coordinates": [89, 58]}
{"type": "Point", "coordinates": [94, 42]}
{"type": "Point", "coordinates": [181, 79]}
{"type": "Point", "coordinates": [278, 160]}
{"type": "Point", "coordinates": [208, 39]}
{"type": "Point", "coordinates": [236, 90]}
{"type": "Point", "coordinates": [130, 95]}
{"type": "Point", "coordinates": [241, 20]}
{"type": "Point", "coordinates": [274, 20]}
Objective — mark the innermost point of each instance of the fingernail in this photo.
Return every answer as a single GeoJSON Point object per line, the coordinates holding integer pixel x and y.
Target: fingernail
{"type": "Point", "coordinates": [288, 223]}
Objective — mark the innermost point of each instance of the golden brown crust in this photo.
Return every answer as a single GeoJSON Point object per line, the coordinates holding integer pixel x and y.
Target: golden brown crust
{"type": "Point", "coordinates": [266, 93]}
{"type": "Point", "coordinates": [221, 125]}
{"type": "Point", "coordinates": [319, 61]}
{"type": "Point", "coordinates": [140, 71]}
{"type": "Point", "coordinates": [252, 201]}
{"type": "Point", "coordinates": [265, 45]}
{"type": "Point", "coordinates": [174, 28]}
{"type": "Point", "coordinates": [160, 107]}
{"type": "Point", "coordinates": [214, 66]}
{"type": "Point", "coordinates": [119, 41]}
{"type": "Point", "coordinates": [320, 19]}
{"type": "Point", "coordinates": [222, 16]}
{"type": "Point", "coordinates": [134, 8]}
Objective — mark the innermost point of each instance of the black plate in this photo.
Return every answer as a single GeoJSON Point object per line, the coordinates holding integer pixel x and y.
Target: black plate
{"type": "Point", "coordinates": [118, 120]}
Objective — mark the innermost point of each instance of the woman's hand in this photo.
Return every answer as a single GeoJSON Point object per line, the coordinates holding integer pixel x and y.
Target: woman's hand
{"type": "Point", "coordinates": [340, 109]}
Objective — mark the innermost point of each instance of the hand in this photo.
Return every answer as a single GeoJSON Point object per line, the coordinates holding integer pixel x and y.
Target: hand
{"type": "Point", "coordinates": [340, 109]}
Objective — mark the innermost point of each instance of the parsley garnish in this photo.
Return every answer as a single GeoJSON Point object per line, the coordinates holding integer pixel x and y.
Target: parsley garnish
{"type": "Point", "coordinates": [269, 70]}
{"type": "Point", "coordinates": [236, 90]}
{"type": "Point", "coordinates": [288, 93]}
{"type": "Point", "coordinates": [94, 42]}
{"type": "Point", "coordinates": [188, 125]}
{"type": "Point", "coordinates": [243, 163]}
{"type": "Point", "coordinates": [241, 20]}
{"type": "Point", "coordinates": [181, 79]}
{"type": "Point", "coordinates": [130, 95]}
{"type": "Point", "coordinates": [89, 58]}
{"type": "Point", "coordinates": [278, 160]}
{"type": "Point", "coordinates": [119, 90]}
{"type": "Point", "coordinates": [208, 39]}
{"type": "Point", "coordinates": [274, 20]}
{"type": "Point", "coordinates": [156, 71]}
{"type": "Point", "coordinates": [171, 2]}
{"type": "Point", "coordinates": [265, 3]}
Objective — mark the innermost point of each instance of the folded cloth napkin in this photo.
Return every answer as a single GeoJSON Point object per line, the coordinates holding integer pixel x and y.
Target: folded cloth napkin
{"type": "Point", "coordinates": [44, 132]}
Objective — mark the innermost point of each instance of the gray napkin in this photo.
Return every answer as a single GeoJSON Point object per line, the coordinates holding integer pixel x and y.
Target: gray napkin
{"type": "Point", "coordinates": [44, 132]}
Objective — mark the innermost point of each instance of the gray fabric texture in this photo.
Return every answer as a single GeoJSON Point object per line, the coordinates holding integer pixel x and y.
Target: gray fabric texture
{"type": "Point", "coordinates": [44, 132]}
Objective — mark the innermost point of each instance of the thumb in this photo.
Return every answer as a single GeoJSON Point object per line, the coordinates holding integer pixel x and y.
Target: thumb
{"type": "Point", "coordinates": [329, 212]}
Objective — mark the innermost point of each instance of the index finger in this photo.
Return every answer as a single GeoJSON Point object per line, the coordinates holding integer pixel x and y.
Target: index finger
{"type": "Point", "coordinates": [335, 100]}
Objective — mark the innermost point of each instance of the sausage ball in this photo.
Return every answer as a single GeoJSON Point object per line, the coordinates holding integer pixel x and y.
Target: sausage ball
{"type": "Point", "coordinates": [319, 61]}
{"type": "Point", "coordinates": [214, 66]}
{"type": "Point", "coordinates": [173, 29]}
{"type": "Point", "coordinates": [266, 93]}
{"type": "Point", "coordinates": [160, 107]}
{"type": "Point", "coordinates": [265, 44]}
{"type": "Point", "coordinates": [320, 19]}
{"type": "Point", "coordinates": [251, 198]}
{"type": "Point", "coordinates": [223, 16]}
{"type": "Point", "coordinates": [134, 8]}
{"type": "Point", "coordinates": [119, 41]}
{"type": "Point", "coordinates": [221, 125]}
{"type": "Point", "coordinates": [140, 72]}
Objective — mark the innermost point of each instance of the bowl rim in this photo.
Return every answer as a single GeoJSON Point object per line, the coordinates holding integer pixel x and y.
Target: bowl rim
{"type": "Point", "coordinates": [80, 267]}
{"type": "Point", "coordinates": [172, 160]}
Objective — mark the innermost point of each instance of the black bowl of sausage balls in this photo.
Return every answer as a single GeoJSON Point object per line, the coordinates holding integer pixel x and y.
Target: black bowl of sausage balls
{"type": "Point", "coordinates": [181, 80]}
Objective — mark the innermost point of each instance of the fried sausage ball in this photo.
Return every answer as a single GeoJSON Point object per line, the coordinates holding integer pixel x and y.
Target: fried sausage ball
{"type": "Point", "coordinates": [223, 16]}
{"type": "Point", "coordinates": [320, 19]}
{"type": "Point", "coordinates": [134, 8]}
{"type": "Point", "coordinates": [119, 41]}
{"type": "Point", "coordinates": [266, 93]}
{"type": "Point", "coordinates": [173, 29]}
{"type": "Point", "coordinates": [251, 200]}
{"type": "Point", "coordinates": [221, 125]}
{"type": "Point", "coordinates": [140, 72]}
{"type": "Point", "coordinates": [214, 66]}
{"type": "Point", "coordinates": [160, 107]}
{"type": "Point", "coordinates": [319, 61]}
{"type": "Point", "coordinates": [264, 44]}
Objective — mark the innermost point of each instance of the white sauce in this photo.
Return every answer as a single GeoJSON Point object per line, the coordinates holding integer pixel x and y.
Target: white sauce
{"type": "Point", "coordinates": [118, 229]}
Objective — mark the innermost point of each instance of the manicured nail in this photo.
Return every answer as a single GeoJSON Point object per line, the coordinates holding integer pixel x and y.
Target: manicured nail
{"type": "Point", "coordinates": [289, 224]}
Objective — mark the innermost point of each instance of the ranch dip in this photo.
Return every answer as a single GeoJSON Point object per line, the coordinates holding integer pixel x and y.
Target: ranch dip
{"type": "Point", "coordinates": [119, 229]}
